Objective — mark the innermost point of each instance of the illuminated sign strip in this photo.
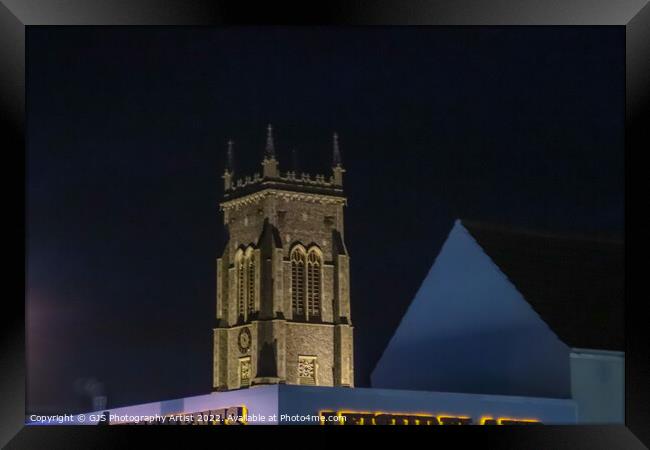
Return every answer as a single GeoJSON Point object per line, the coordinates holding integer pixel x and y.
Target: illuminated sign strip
{"type": "Point", "coordinates": [387, 418]}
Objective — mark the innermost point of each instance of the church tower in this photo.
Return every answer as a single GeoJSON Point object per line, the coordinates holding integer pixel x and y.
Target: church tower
{"type": "Point", "coordinates": [283, 284]}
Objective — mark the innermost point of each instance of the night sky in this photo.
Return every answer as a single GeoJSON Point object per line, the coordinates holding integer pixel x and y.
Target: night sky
{"type": "Point", "coordinates": [127, 131]}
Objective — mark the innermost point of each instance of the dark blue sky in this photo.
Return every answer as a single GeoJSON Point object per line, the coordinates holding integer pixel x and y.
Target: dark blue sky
{"type": "Point", "coordinates": [126, 142]}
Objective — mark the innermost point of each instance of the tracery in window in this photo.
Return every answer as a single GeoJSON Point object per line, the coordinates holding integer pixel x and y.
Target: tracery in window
{"type": "Point", "coordinates": [306, 283]}
{"type": "Point", "coordinates": [298, 281]}
{"type": "Point", "coordinates": [250, 267]}
{"type": "Point", "coordinates": [245, 268]}
{"type": "Point", "coordinates": [314, 265]}
{"type": "Point", "coordinates": [241, 282]}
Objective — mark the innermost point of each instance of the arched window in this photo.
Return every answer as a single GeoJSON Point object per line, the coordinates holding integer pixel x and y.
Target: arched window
{"type": "Point", "coordinates": [306, 280]}
{"type": "Point", "coordinates": [241, 283]}
{"type": "Point", "coordinates": [251, 282]}
{"type": "Point", "coordinates": [314, 264]}
{"type": "Point", "coordinates": [298, 281]}
{"type": "Point", "coordinates": [245, 268]}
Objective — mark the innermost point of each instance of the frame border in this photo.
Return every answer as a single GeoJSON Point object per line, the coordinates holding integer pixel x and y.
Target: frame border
{"type": "Point", "coordinates": [634, 15]}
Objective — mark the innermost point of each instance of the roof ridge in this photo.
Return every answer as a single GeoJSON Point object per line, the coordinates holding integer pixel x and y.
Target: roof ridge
{"type": "Point", "coordinates": [521, 230]}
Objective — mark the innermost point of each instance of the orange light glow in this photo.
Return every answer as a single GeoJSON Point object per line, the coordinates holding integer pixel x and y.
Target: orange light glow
{"type": "Point", "coordinates": [412, 418]}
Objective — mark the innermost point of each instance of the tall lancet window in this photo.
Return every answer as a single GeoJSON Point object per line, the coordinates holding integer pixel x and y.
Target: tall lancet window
{"type": "Point", "coordinates": [250, 266]}
{"type": "Point", "coordinates": [240, 267]}
{"type": "Point", "coordinates": [298, 281]}
{"type": "Point", "coordinates": [314, 264]}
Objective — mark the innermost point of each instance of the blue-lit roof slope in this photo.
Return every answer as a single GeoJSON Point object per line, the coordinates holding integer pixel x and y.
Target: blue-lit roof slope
{"type": "Point", "coordinates": [469, 329]}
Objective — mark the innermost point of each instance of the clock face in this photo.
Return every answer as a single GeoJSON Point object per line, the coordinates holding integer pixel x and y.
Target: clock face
{"type": "Point", "coordinates": [244, 340]}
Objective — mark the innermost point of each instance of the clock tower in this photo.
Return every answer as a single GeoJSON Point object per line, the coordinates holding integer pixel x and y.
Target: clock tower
{"type": "Point", "coordinates": [283, 296]}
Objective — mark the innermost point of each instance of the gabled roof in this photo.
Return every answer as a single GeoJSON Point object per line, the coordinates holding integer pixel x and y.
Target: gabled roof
{"type": "Point", "coordinates": [469, 329]}
{"type": "Point", "coordinates": [575, 284]}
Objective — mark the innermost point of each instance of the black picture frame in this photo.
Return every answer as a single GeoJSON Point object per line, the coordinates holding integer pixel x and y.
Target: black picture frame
{"type": "Point", "coordinates": [16, 15]}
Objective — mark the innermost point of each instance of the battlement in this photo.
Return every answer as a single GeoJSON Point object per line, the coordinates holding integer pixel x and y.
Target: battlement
{"type": "Point", "coordinates": [288, 177]}
{"type": "Point", "coordinates": [304, 183]}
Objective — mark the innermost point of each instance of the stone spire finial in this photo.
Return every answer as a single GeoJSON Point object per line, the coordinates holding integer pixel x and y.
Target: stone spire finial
{"type": "Point", "coordinates": [337, 167]}
{"type": "Point", "coordinates": [336, 157]}
{"type": "Point", "coordinates": [230, 157]}
{"type": "Point", "coordinates": [228, 173]}
{"type": "Point", "coordinates": [269, 152]}
{"type": "Point", "coordinates": [269, 163]}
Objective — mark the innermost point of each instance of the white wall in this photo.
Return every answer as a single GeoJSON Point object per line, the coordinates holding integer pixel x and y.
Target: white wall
{"type": "Point", "coordinates": [598, 385]}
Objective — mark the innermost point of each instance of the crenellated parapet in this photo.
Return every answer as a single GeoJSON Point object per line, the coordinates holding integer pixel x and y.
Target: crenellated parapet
{"type": "Point", "coordinates": [289, 178]}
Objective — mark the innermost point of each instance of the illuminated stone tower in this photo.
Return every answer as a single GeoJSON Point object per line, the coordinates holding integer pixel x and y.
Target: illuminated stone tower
{"type": "Point", "coordinates": [283, 295]}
